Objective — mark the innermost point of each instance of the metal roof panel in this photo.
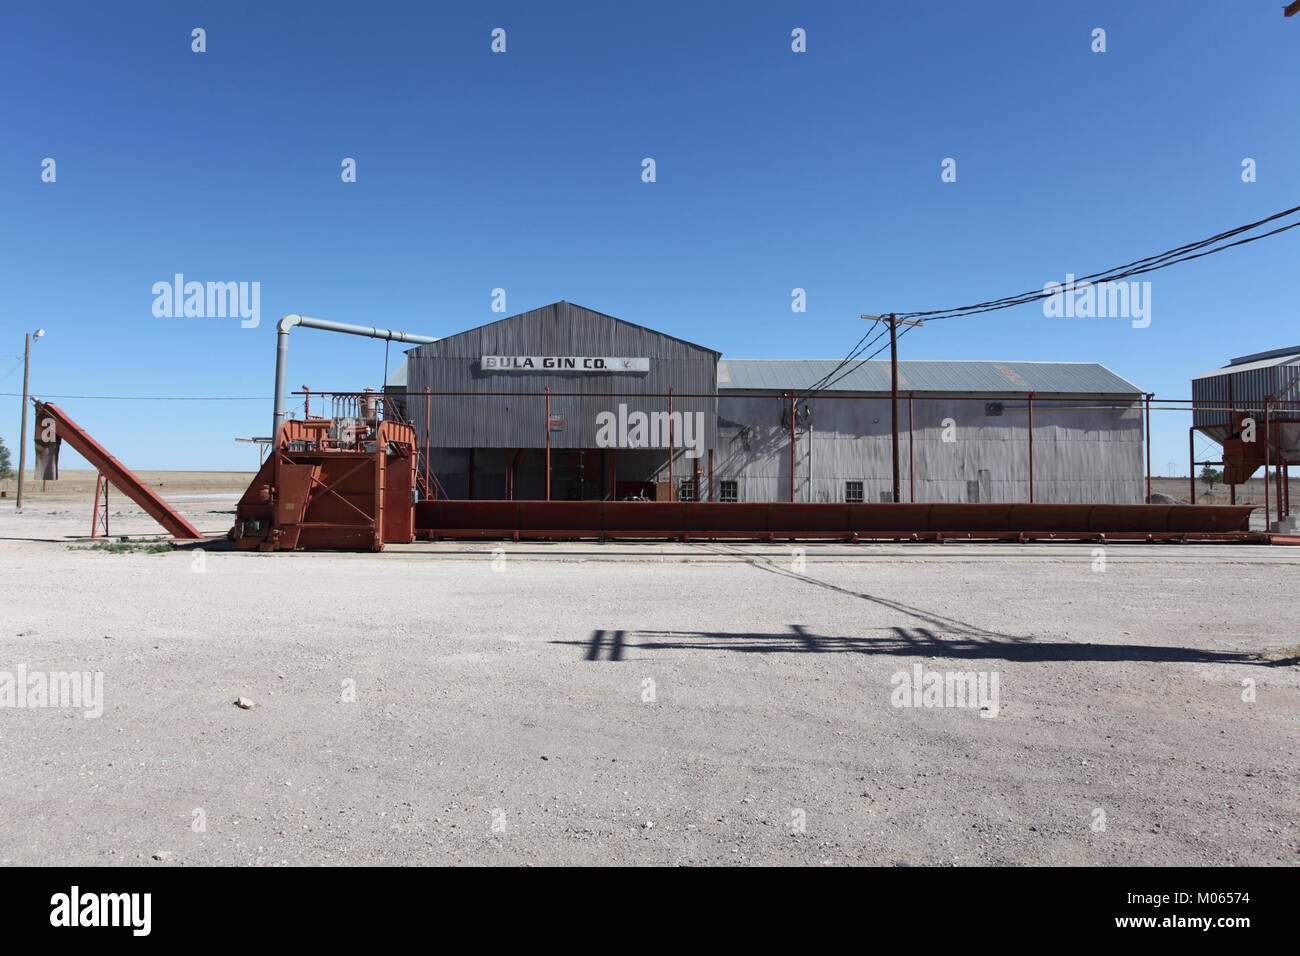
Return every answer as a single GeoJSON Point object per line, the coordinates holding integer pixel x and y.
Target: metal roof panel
{"type": "Point", "coordinates": [925, 376]}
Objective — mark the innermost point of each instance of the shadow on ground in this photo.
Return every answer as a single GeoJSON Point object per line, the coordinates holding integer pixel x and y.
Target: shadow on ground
{"type": "Point", "coordinates": [610, 645]}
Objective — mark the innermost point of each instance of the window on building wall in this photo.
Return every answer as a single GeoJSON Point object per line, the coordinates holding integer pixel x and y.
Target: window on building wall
{"type": "Point", "coordinates": [728, 490]}
{"type": "Point", "coordinates": [686, 490]}
{"type": "Point", "coordinates": [853, 492]}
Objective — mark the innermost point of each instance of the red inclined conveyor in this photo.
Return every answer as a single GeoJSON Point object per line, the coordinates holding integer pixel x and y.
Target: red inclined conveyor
{"type": "Point", "coordinates": [117, 473]}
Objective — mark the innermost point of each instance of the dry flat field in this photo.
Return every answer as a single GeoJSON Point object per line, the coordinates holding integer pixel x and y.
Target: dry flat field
{"type": "Point", "coordinates": [74, 483]}
{"type": "Point", "coordinates": [646, 703]}
{"type": "Point", "coordinates": [1248, 493]}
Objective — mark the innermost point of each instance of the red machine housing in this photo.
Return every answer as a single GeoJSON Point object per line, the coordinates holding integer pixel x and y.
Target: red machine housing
{"type": "Point", "coordinates": [340, 484]}
{"type": "Point", "coordinates": [1241, 458]}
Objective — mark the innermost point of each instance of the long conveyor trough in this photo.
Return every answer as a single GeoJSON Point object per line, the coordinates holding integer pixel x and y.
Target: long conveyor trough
{"type": "Point", "coordinates": [772, 521]}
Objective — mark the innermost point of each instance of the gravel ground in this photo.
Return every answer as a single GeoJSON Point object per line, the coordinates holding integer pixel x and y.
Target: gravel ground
{"type": "Point", "coordinates": [647, 703]}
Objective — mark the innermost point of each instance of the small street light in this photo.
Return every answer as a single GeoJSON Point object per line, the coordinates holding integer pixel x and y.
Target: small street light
{"type": "Point", "coordinates": [22, 441]}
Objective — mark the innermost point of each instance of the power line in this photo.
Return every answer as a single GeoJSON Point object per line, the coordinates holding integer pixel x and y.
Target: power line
{"type": "Point", "coordinates": [854, 352]}
{"type": "Point", "coordinates": [864, 361]}
{"type": "Point", "coordinates": [857, 348]}
{"type": "Point", "coordinates": [1184, 253]}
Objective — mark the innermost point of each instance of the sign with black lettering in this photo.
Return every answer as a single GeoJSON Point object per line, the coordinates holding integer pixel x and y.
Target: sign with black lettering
{"type": "Point", "coordinates": [562, 363]}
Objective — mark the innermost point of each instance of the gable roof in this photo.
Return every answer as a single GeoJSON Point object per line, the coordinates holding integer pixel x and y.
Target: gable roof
{"type": "Point", "coordinates": [925, 376]}
{"type": "Point", "coordinates": [1249, 363]}
{"type": "Point", "coordinates": [574, 314]}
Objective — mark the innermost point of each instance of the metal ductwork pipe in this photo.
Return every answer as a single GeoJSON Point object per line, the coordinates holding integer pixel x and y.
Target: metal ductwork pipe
{"type": "Point", "coordinates": [282, 350]}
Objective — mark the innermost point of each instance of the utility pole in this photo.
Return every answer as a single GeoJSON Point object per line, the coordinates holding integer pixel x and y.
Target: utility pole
{"type": "Point", "coordinates": [894, 322]}
{"type": "Point", "coordinates": [22, 440]}
{"type": "Point", "coordinates": [893, 395]}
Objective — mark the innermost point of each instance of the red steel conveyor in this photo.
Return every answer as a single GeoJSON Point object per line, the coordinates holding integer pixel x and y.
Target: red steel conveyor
{"type": "Point", "coordinates": [117, 473]}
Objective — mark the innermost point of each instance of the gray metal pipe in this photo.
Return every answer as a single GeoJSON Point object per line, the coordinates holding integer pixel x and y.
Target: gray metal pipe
{"type": "Point", "coordinates": [282, 350]}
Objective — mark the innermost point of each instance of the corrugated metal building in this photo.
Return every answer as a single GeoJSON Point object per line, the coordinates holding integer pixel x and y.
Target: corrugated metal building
{"type": "Point", "coordinates": [485, 441]}
{"type": "Point", "coordinates": [1246, 384]}
{"type": "Point", "coordinates": [964, 426]}
{"type": "Point", "coordinates": [610, 431]}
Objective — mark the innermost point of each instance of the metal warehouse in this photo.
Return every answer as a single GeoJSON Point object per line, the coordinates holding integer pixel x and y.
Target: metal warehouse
{"type": "Point", "coordinates": [1256, 387]}
{"type": "Point", "coordinates": [566, 403]}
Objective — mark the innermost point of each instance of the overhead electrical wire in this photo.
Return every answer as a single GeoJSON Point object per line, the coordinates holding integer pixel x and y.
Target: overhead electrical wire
{"type": "Point", "coordinates": [1184, 253]}
{"type": "Point", "coordinates": [854, 352]}
{"type": "Point", "coordinates": [12, 370]}
{"type": "Point", "coordinates": [1179, 254]}
{"type": "Point", "coordinates": [860, 363]}
{"type": "Point", "coordinates": [857, 347]}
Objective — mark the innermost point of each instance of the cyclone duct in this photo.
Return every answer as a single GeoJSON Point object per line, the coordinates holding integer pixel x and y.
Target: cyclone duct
{"type": "Point", "coordinates": [282, 350]}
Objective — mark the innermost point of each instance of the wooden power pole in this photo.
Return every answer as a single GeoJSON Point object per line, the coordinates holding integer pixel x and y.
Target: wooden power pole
{"type": "Point", "coordinates": [893, 395]}
{"type": "Point", "coordinates": [22, 437]}
{"type": "Point", "coordinates": [894, 323]}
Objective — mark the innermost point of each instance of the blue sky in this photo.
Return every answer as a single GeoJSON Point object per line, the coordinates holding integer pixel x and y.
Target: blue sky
{"type": "Point", "coordinates": [522, 170]}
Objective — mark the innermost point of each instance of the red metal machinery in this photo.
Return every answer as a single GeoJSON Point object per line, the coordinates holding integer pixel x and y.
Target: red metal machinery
{"type": "Point", "coordinates": [55, 425]}
{"type": "Point", "coordinates": [1241, 458]}
{"type": "Point", "coordinates": [343, 484]}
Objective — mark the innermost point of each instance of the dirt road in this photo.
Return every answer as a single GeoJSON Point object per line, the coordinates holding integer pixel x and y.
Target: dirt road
{"type": "Point", "coordinates": [657, 703]}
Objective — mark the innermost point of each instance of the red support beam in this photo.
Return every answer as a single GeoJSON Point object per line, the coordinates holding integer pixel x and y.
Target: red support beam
{"type": "Point", "coordinates": [1231, 425]}
{"type": "Point", "coordinates": [1031, 448]}
{"type": "Point", "coordinates": [911, 456]}
{"type": "Point", "coordinates": [1146, 434]}
{"type": "Point", "coordinates": [672, 485]}
{"type": "Point", "coordinates": [1277, 428]}
{"type": "Point", "coordinates": [94, 515]}
{"type": "Point", "coordinates": [1268, 457]}
{"type": "Point", "coordinates": [792, 400]}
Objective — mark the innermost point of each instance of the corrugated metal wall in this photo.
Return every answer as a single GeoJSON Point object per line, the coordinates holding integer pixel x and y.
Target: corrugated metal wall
{"type": "Point", "coordinates": [518, 420]}
{"type": "Point", "coordinates": [452, 466]}
{"type": "Point", "coordinates": [1082, 454]}
{"type": "Point", "coordinates": [1248, 387]}
{"type": "Point", "coordinates": [1085, 455]}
